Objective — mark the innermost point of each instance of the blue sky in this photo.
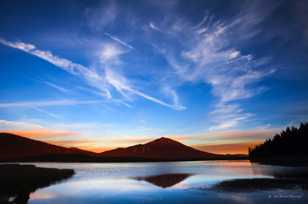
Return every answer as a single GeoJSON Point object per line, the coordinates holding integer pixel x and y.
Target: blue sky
{"type": "Point", "coordinates": [101, 74]}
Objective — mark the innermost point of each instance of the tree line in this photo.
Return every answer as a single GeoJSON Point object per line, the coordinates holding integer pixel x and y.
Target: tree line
{"type": "Point", "coordinates": [291, 144]}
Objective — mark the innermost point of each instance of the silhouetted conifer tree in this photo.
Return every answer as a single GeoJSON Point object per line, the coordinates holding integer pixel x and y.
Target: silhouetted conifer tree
{"type": "Point", "coordinates": [290, 145]}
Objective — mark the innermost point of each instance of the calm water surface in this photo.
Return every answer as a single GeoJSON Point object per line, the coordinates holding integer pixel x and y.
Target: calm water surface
{"type": "Point", "coordinates": [166, 182]}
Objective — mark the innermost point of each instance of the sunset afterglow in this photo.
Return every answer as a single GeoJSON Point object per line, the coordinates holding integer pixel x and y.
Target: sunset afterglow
{"type": "Point", "coordinates": [110, 74]}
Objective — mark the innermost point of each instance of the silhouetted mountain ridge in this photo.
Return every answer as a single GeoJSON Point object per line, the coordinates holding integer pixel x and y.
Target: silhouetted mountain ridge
{"type": "Point", "coordinates": [17, 148]}
{"type": "Point", "coordinates": [14, 146]}
{"type": "Point", "coordinates": [162, 148]}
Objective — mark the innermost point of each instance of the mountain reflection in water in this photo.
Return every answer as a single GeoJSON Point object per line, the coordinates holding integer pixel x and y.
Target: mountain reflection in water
{"type": "Point", "coordinates": [165, 180]}
{"type": "Point", "coordinates": [168, 182]}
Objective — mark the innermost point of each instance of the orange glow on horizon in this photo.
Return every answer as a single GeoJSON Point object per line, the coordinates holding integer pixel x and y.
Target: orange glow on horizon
{"type": "Point", "coordinates": [41, 133]}
{"type": "Point", "coordinates": [58, 137]}
{"type": "Point", "coordinates": [235, 148]}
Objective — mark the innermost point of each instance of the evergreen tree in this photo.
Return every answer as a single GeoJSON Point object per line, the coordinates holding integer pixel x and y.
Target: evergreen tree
{"type": "Point", "coordinates": [290, 145]}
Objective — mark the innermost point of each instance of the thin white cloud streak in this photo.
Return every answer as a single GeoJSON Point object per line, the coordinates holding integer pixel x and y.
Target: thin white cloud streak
{"type": "Point", "coordinates": [172, 106]}
{"type": "Point", "coordinates": [57, 87]}
{"type": "Point", "coordinates": [154, 27]}
{"type": "Point", "coordinates": [18, 125]}
{"type": "Point", "coordinates": [121, 85]}
{"type": "Point", "coordinates": [112, 100]}
{"type": "Point", "coordinates": [31, 125]}
{"type": "Point", "coordinates": [226, 116]}
{"type": "Point", "coordinates": [174, 96]}
{"type": "Point", "coordinates": [36, 129]}
{"type": "Point", "coordinates": [62, 63]}
{"type": "Point", "coordinates": [91, 76]}
{"type": "Point", "coordinates": [119, 41]}
{"type": "Point", "coordinates": [86, 130]}
{"type": "Point", "coordinates": [33, 104]}
{"type": "Point", "coordinates": [110, 58]}
{"type": "Point", "coordinates": [46, 112]}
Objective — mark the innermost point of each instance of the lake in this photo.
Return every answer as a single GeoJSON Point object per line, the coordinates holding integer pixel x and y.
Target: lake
{"type": "Point", "coordinates": [164, 182]}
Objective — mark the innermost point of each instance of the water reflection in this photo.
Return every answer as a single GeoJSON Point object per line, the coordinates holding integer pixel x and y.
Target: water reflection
{"type": "Point", "coordinates": [165, 180]}
{"type": "Point", "coordinates": [280, 171]}
{"type": "Point", "coordinates": [243, 185]}
{"type": "Point", "coordinates": [278, 177]}
{"type": "Point", "coordinates": [169, 182]}
{"type": "Point", "coordinates": [18, 181]}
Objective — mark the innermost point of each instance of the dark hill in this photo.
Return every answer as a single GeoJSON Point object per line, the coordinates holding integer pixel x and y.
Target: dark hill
{"type": "Point", "coordinates": [161, 149]}
{"type": "Point", "coordinates": [17, 148]}
{"type": "Point", "coordinates": [14, 147]}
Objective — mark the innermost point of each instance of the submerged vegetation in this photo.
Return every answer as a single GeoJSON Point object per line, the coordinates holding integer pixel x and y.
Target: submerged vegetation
{"type": "Point", "coordinates": [287, 148]}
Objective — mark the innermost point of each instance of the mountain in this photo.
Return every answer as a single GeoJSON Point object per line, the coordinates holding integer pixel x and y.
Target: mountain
{"type": "Point", "coordinates": [18, 148]}
{"type": "Point", "coordinates": [14, 147]}
{"type": "Point", "coordinates": [160, 149]}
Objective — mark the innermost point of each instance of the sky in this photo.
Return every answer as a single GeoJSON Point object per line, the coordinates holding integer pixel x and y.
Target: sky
{"type": "Point", "coordinates": [217, 75]}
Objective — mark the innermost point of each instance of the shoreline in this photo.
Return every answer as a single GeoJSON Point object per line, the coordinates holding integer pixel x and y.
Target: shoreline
{"type": "Point", "coordinates": [17, 181]}
{"type": "Point", "coordinates": [91, 159]}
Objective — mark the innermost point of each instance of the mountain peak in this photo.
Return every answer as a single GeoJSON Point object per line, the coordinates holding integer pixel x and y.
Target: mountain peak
{"type": "Point", "coordinates": [163, 140]}
{"type": "Point", "coordinates": [160, 149]}
{"type": "Point", "coordinates": [18, 148]}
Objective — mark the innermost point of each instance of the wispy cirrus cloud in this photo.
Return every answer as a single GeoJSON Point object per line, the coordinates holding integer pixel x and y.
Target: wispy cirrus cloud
{"type": "Point", "coordinates": [91, 76]}
{"type": "Point", "coordinates": [121, 84]}
{"type": "Point", "coordinates": [57, 87]}
{"type": "Point", "coordinates": [36, 126]}
{"type": "Point", "coordinates": [110, 57]}
{"type": "Point", "coordinates": [33, 130]}
{"type": "Point", "coordinates": [119, 41]}
{"type": "Point", "coordinates": [154, 27]}
{"type": "Point", "coordinates": [46, 112]}
{"type": "Point", "coordinates": [231, 73]}
{"type": "Point", "coordinates": [62, 63]}
{"type": "Point", "coordinates": [210, 52]}
{"type": "Point", "coordinates": [171, 93]}
{"type": "Point", "coordinates": [18, 125]}
{"type": "Point", "coordinates": [35, 104]}
{"type": "Point", "coordinates": [226, 116]}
